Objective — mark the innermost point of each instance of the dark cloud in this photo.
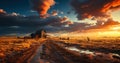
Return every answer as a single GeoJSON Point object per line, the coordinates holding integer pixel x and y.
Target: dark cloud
{"type": "Point", "coordinates": [94, 8]}
{"type": "Point", "coordinates": [77, 27]}
{"type": "Point", "coordinates": [16, 23]}
{"type": "Point", "coordinates": [19, 24]}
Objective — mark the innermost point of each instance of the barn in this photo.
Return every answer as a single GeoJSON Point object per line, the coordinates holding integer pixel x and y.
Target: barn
{"type": "Point", "coordinates": [39, 34]}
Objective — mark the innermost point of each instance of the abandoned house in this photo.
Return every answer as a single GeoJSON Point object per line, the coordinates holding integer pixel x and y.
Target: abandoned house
{"type": "Point", "coordinates": [39, 34]}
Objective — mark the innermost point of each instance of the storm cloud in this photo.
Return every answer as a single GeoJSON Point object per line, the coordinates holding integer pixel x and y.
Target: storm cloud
{"type": "Point", "coordinates": [94, 8]}
{"type": "Point", "coordinates": [15, 23]}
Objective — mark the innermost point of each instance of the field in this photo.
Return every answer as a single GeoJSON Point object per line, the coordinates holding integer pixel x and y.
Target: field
{"type": "Point", "coordinates": [19, 50]}
{"type": "Point", "coordinates": [103, 45]}
{"type": "Point", "coordinates": [15, 47]}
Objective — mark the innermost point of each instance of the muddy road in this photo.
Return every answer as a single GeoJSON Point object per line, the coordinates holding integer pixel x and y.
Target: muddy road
{"type": "Point", "coordinates": [57, 51]}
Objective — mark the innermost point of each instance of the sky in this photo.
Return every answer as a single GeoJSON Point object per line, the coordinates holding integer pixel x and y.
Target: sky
{"type": "Point", "coordinates": [20, 17]}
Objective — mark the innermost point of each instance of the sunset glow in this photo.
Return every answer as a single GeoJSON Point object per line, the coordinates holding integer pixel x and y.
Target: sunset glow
{"type": "Point", "coordinates": [59, 31]}
{"type": "Point", "coordinates": [57, 16]}
{"type": "Point", "coordinates": [116, 28]}
{"type": "Point", "coordinates": [116, 15]}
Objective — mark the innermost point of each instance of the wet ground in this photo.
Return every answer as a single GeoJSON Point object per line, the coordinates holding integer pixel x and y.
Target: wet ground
{"type": "Point", "coordinates": [56, 51]}
{"type": "Point", "coordinates": [62, 53]}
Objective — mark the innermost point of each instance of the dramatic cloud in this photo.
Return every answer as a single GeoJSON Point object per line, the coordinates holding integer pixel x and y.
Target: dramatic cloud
{"type": "Point", "coordinates": [104, 25]}
{"type": "Point", "coordinates": [94, 8]}
{"type": "Point", "coordinates": [42, 6]}
{"type": "Point", "coordinates": [77, 27]}
{"type": "Point", "coordinates": [110, 23]}
{"type": "Point", "coordinates": [16, 23]}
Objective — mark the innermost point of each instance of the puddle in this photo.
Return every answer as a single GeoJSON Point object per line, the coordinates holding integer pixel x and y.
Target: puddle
{"type": "Point", "coordinates": [95, 54]}
{"type": "Point", "coordinates": [80, 51]}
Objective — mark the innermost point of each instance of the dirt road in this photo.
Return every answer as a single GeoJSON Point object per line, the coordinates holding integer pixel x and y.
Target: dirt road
{"type": "Point", "coordinates": [56, 51]}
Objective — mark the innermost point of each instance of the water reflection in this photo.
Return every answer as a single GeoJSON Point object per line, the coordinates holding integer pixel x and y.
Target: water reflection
{"type": "Point", "coordinates": [95, 54]}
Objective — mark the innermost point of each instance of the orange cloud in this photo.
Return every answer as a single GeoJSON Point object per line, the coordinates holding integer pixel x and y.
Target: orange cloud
{"type": "Point", "coordinates": [94, 8]}
{"type": "Point", "coordinates": [42, 6]}
{"type": "Point", "coordinates": [111, 5]}
{"type": "Point", "coordinates": [2, 11]}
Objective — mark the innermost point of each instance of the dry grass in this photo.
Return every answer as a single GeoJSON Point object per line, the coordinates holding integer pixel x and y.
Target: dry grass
{"type": "Point", "coordinates": [11, 45]}
{"type": "Point", "coordinates": [104, 45]}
